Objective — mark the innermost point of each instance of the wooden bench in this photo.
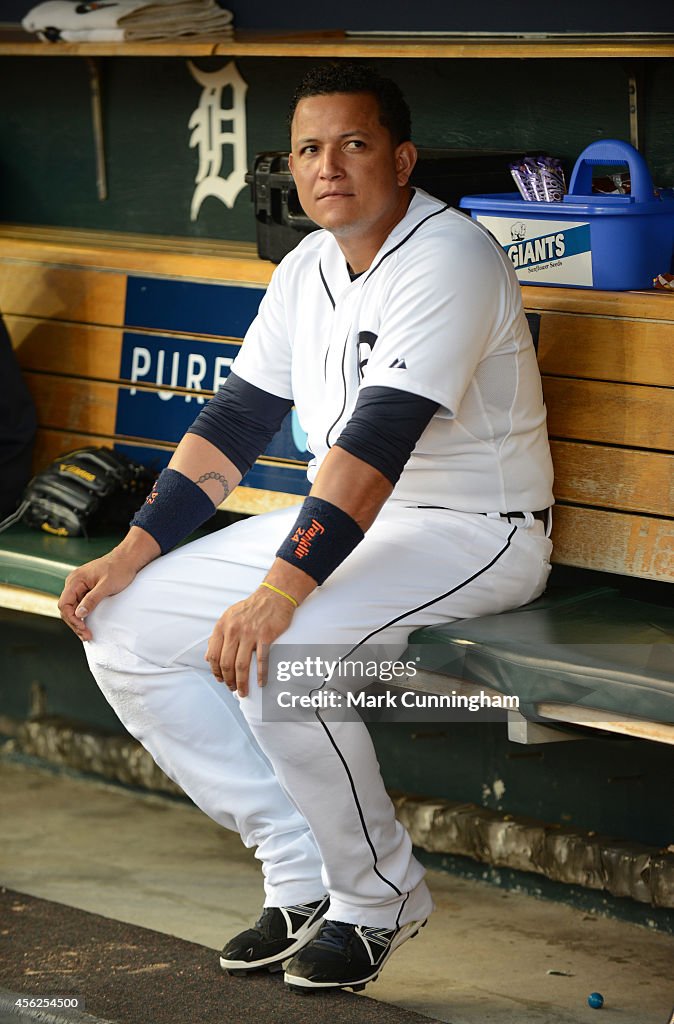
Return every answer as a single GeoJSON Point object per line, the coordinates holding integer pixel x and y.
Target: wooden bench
{"type": "Point", "coordinates": [122, 338]}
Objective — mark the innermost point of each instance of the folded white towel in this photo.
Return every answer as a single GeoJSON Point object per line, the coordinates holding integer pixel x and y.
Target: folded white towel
{"type": "Point", "coordinates": [116, 20]}
{"type": "Point", "coordinates": [169, 18]}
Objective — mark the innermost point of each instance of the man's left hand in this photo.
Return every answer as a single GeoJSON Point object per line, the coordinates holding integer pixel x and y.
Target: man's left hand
{"type": "Point", "coordinates": [248, 627]}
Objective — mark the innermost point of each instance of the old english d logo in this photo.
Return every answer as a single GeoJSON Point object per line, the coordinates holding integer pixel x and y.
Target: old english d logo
{"type": "Point", "coordinates": [366, 342]}
{"type": "Point", "coordinates": [215, 129]}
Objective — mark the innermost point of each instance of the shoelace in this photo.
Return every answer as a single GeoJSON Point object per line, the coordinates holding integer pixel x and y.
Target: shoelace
{"type": "Point", "coordinates": [335, 935]}
{"type": "Point", "coordinates": [264, 920]}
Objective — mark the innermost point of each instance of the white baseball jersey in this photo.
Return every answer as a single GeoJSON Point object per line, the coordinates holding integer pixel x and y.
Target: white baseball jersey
{"type": "Point", "coordinates": [438, 314]}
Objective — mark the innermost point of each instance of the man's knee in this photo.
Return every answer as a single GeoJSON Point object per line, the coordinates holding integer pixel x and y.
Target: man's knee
{"type": "Point", "coordinates": [112, 653]}
{"type": "Point", "coordinates": [126, 680]}
{"type": "Point", "coordinates": [112, 615]}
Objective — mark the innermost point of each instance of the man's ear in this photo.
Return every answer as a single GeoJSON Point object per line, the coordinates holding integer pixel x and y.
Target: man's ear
{"type": "Point", "coordinates": [290, 163]}
{"type": "Point", "coordinates": [405, 159]}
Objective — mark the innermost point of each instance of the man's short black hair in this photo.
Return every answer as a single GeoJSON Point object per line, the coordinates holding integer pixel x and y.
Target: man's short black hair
{"type": "Point", "coordinates": [394, 112]}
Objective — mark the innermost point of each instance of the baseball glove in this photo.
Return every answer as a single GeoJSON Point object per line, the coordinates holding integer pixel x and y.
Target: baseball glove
{"type": "Point", "coordinates": [84, 492]}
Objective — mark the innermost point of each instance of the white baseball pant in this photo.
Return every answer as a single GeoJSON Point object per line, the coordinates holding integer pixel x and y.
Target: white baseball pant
{"type": "Point", "coordinates": [307, 794]}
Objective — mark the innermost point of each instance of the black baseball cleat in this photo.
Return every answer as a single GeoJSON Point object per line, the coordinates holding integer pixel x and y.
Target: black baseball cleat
{"type": "Point", "coordinates": [278, 934]}
{"type": "Point", "coordinates": [345, 955]}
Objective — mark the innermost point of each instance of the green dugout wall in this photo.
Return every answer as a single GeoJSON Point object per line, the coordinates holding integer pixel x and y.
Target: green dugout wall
{"type": "Point", "coordinates": [47, 162]}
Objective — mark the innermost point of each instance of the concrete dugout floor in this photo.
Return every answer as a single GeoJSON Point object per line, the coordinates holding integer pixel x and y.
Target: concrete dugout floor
{"type": "Point", "coordinates": [484, 957]}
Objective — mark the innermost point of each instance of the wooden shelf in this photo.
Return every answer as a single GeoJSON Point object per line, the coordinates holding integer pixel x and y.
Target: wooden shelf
{"type": "Point", "coordinates": [213, 259]}
{"type": "Point", "coordinates": [641, 305]}
{"type": "Point", "coordinates": [337, 44]}
{"type": "Point", "coordinates": [199, 259]}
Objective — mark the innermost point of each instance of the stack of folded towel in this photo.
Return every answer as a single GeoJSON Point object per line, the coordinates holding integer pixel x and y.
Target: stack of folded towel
{"type": "Point", "coordinates": [118, 20]}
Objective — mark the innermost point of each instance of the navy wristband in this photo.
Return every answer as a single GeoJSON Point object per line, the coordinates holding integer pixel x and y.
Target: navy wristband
{"type": "Point", "coordinates": [173, 509]}
{"type": "Point", "coordinates": [321, 539]}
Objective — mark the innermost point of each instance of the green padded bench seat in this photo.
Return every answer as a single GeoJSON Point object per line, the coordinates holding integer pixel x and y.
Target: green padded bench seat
{"type": "Point", "coordinates": [592, 649]}
{"type": "Point", "coordinates": [38, 561]}
{"type": "Point", "coordinates": [34, 565]}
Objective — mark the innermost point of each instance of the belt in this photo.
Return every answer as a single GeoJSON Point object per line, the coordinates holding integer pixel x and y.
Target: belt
{"type": "Point", "coordinates": [541, 515]}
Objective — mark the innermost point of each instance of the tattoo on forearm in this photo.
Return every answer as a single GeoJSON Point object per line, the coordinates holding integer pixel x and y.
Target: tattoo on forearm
{"type": "Point", "coordinates": [215, 476]}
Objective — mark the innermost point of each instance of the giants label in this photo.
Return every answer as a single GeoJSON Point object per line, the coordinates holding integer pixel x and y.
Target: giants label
{"type": "Point", "coordinates": [545, 251]}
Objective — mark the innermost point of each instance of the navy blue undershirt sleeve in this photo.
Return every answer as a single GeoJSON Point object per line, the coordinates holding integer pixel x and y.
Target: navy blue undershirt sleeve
{"type": "Point", "coordinates": [385, 427]}
{"type": "Point", "coordinates": [241, 420]}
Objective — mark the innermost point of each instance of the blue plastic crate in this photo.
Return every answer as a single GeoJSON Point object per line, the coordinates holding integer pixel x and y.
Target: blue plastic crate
{"type": "Point", "coordinates": [614, 243]}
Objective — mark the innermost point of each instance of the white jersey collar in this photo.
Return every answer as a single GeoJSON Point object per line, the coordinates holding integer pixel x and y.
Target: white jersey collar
{"type": "Point", "coordinates": [333, 263]}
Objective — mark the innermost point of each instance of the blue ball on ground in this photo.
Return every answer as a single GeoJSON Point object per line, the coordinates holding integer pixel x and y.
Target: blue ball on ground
{"type": "Point", "coordinates": [595, 1000]}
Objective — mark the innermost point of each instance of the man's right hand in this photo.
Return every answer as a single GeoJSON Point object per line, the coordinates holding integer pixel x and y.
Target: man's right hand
{"type": "Point", "coordinates": [86, 587]}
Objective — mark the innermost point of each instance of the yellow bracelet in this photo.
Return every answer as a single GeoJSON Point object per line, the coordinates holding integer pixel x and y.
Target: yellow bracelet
{"type": "Point", "coordinates": [281, 592]}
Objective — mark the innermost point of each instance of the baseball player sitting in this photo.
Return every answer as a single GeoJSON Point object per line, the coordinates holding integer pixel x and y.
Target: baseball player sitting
{"type": "Point", "coordinates": [398, 334]}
